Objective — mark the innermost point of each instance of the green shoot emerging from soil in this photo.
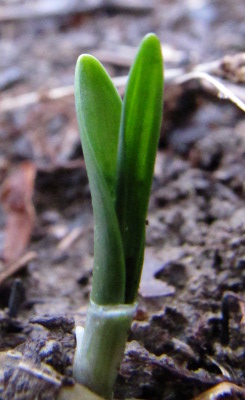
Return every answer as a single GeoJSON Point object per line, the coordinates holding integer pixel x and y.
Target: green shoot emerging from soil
{"type": "Point", "coordinates": [119, 141]}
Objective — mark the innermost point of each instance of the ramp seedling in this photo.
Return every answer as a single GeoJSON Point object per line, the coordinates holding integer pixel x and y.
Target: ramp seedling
{"type": "Point", "coordinates": [119, 141]}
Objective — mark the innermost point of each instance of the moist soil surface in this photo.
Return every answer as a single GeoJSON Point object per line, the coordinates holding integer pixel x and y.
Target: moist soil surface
{"type": "Point", "coordinates": [187, 335]}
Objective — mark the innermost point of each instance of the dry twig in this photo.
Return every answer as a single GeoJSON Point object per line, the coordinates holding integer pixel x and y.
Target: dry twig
{"type": "Point", "coordinates": [205, 73]}
{"type": "Point", "coordinates": [15, 267]}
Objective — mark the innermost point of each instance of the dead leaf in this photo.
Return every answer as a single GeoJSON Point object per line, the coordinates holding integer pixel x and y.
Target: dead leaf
{"type": "Point", "coordinates": [149, 285]}
{"type": "Point", "coordinates": [221, 390]}
{"type": "Point", "coordinates": [77, 392]}
{"type": "Point", "coordinates": [16, 198]}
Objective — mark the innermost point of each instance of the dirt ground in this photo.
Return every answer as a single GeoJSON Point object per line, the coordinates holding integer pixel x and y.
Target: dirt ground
{"type": "Point", "coordinates": [188, 333]}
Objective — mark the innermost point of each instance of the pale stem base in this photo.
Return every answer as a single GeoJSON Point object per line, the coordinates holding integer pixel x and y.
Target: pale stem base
{"type": "Point", "coordinates": [101, 345]}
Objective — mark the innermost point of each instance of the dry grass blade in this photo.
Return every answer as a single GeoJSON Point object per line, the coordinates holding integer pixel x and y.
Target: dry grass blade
{"type": "Point", "coordinates": [222, 90]}
{"type": "Point", "coordinates": [205, 72]}
{"type": "Point", "coordinates": [70, 238]}
{"type": "Point", "coordinates": [28, 99]}
{"type": "Point", "coordinates": [31, 98]}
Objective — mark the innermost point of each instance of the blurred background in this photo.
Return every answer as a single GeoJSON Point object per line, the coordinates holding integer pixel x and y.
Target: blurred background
{"type": "Point", "coordinates": [196, 224]}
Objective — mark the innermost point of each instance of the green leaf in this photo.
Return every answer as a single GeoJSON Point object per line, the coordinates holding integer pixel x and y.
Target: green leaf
{"type": "Point", "coordinates": [98, 108]}
{"type": "Point", "coordinates": [139, 135]}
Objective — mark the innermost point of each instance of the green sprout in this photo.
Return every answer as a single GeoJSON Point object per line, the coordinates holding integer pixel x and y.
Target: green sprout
{"type": "Point", "coordinates": [119, 141]}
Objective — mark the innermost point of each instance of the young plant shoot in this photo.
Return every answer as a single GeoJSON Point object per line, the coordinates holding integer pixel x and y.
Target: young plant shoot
{"type": "Point", "coordinates": [119, 141]}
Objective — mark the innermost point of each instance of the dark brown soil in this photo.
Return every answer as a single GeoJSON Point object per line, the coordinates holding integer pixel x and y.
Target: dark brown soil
{"type": "Point", "coordinates": [188, 333]}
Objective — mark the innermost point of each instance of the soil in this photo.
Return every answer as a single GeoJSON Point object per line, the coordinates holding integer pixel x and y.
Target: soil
{"type": "Point", "coordinates": [188, 335]}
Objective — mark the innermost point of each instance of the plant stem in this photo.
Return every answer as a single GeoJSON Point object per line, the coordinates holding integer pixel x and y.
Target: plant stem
{"type": "Point", "coordinates": [100, 350]}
